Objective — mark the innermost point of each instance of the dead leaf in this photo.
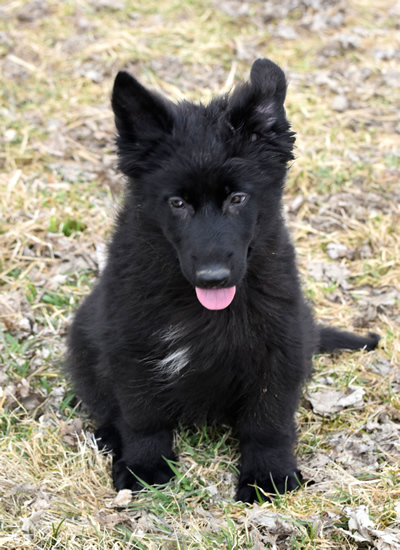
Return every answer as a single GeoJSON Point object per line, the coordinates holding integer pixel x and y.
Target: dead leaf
{"type": "Point", "coordinates": [23, 388]}
{"type": "Point", "coordinates": [329, 272]}
{"type": "Point", "coordinates": [28, 524]}
{"type": "Point", "coordinates": [258, 543]}
{"type": "Point", "coordinates": [110, 520]}
{"type": "Point", "coordinates": [20, 394]}
{"type": "Point", "coordinates": [364, 252]}
{"type": "Point", "coordinates": [123, 498]}
{"type": "Point", "coordinates": [360, 522]}
{"type": "Point", "coordinates": [284, 31]}
{"type": "Point", "coordinates": [71, 430]}
{"type": "Point", "coordinates": [340, 103]}
{"type": "Point", "coordinates": [145, 524]}
{"type": "Point", "coordinates": [234, 8]}
{"type": "Point", "coordinates": [296, 203]}
{"type": "Point", "coordinates": [3, 378]}
{"type": "Point", "coordinates": [314, 466]}
{"type": "Point", "coordinates": [212, 490]}
{"type": "Point", "coordinates": [382, 297]}
{"type": "Point", "coordinates": [56, 144]}
{"type": "Point", "coordinates": [94, 75]}
{"type": "Point", "coordinates": [385, 434]}
{"type": "Point", "coordinates": [24, 325]}
{"type": "Point", "coordinates": [33, 10]}
{"type": "Point", "coordinates": [275, 523]}
{"type": "Point", "coordinates": [338, 250]}
{"type": "Point", "coordinates": [56, 396]}
{"type": "Point", "coordinates": [32, 401]}
{"type": "Point", "coordinates": [329, 402]}
{"type": "Point", "coordinates": [111, 5]}
{"type": "Point", "coordinates": [362, 529]}
{"type": "Point", "coordinates": [348, 41]}
{"type": "Point", "coordinates": [10, 309]}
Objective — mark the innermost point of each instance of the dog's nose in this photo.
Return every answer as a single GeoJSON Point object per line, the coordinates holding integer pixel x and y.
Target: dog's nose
{"type": "Point", "coordinates": [212, 276]}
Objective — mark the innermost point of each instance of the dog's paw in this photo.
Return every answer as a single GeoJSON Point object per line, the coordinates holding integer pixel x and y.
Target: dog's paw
{"type": "Point", "coordinates": [108, 440]}
{"type": "Point", "coordinates": [128, 476]}
{"type": "Point", "coordinates": [270, 484]}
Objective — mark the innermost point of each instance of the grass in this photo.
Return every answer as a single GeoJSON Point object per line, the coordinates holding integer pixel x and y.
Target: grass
{"type": "Point", "coordinates": [59, 194]}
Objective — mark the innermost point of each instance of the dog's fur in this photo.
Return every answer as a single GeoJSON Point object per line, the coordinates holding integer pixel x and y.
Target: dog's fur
{"type": "Point", "coordinates": [204, 189]}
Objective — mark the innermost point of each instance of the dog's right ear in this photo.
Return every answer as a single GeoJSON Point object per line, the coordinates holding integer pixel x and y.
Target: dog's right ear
{"type": "Point", "coordinates": [138, 112]}
{"type": "Point", "coordinates": [142, 119]}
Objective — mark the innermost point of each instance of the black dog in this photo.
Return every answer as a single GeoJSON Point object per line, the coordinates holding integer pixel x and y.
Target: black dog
{"type": "Point", "coordinates": [199, 315]}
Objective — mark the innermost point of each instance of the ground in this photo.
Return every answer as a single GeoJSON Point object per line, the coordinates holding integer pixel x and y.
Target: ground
{"type": "Point", "coordinates": [59, 194]}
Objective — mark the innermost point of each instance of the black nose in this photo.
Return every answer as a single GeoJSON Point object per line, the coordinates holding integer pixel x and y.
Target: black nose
{"type": "Point", "coordinates": [212, 276]}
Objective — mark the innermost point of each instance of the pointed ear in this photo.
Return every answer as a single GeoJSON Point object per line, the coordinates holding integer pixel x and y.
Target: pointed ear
{"type": "Point", "coordinates": [257, 106]}
{"type": "Point", "coordinates": [142, 118]}
{"type": "Point", "coordinates": [137, 110]}
{"type": "Point", "coordinates": [268, 78]}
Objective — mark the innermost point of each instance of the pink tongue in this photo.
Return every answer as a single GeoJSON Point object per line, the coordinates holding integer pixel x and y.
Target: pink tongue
{"type": "Point", "coordinates": [215, 298]}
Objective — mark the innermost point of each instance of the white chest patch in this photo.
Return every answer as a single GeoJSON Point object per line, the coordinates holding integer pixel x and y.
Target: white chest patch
{"type": "Point", "coordinates": [178, 354]}
{"type": "Point", "coordinates": [172, 334]}
{"type": "Point", "coordinates": [175, 361]}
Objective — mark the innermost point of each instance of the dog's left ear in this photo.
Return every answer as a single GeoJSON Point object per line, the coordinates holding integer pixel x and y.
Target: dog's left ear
{"type": "Point", "coordinates": [269, 81]}
{"type": "Point", "coordinates": [256, 107]}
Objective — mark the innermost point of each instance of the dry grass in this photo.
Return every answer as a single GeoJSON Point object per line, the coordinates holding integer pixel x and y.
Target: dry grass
{"type": "Point", "coordinates": [58, 195]}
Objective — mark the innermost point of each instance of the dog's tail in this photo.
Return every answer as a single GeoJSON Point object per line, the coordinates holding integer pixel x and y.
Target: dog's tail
{"type": "Point", "coordinates": [331, 339]}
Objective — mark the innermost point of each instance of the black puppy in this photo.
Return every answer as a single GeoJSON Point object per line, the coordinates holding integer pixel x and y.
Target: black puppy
{"type": "Point", "coordinates": [199, 315]}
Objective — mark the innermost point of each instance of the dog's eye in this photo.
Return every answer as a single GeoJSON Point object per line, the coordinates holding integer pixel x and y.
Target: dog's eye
{"type": "Point", "coordinates": [239, 198]}
{"type": "Point", "coordinates": [176, 202]}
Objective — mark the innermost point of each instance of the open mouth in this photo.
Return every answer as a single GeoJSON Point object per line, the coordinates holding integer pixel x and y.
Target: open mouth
{"type": "Point", "coordinates": [215, 298]}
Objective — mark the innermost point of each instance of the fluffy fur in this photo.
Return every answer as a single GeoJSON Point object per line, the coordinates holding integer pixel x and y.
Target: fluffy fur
{"type": "Point", "coordinates": [202, 209]}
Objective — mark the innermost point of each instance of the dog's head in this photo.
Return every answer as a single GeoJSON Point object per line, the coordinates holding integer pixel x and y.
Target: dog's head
{"type": "Point", "coordinates": [210, 176]}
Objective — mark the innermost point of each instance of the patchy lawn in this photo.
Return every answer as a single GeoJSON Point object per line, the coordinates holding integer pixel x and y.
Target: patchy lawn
{"type": "Point", "coordinates": [59, 191]}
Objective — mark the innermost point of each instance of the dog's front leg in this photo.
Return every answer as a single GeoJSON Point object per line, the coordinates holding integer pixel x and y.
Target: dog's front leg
{"type": "Point", "coordinates": [143, 458]}
{"type": "Point", "coordinates": [146, 436]}
{"type": "Point", "coordinates": [267, 434]}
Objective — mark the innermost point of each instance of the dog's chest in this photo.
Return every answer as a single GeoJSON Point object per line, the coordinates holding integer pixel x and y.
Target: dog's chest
{"type": "Point", "coordinates": [204, 375]}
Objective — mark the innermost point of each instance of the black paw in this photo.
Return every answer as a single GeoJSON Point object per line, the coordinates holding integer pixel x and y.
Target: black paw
{"type": "Point", "coordinates": [272, 485]}
{"type": "Point", "coordinates": [128, 476]}
{"type": "Point", "coordinates": [108, 439]}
